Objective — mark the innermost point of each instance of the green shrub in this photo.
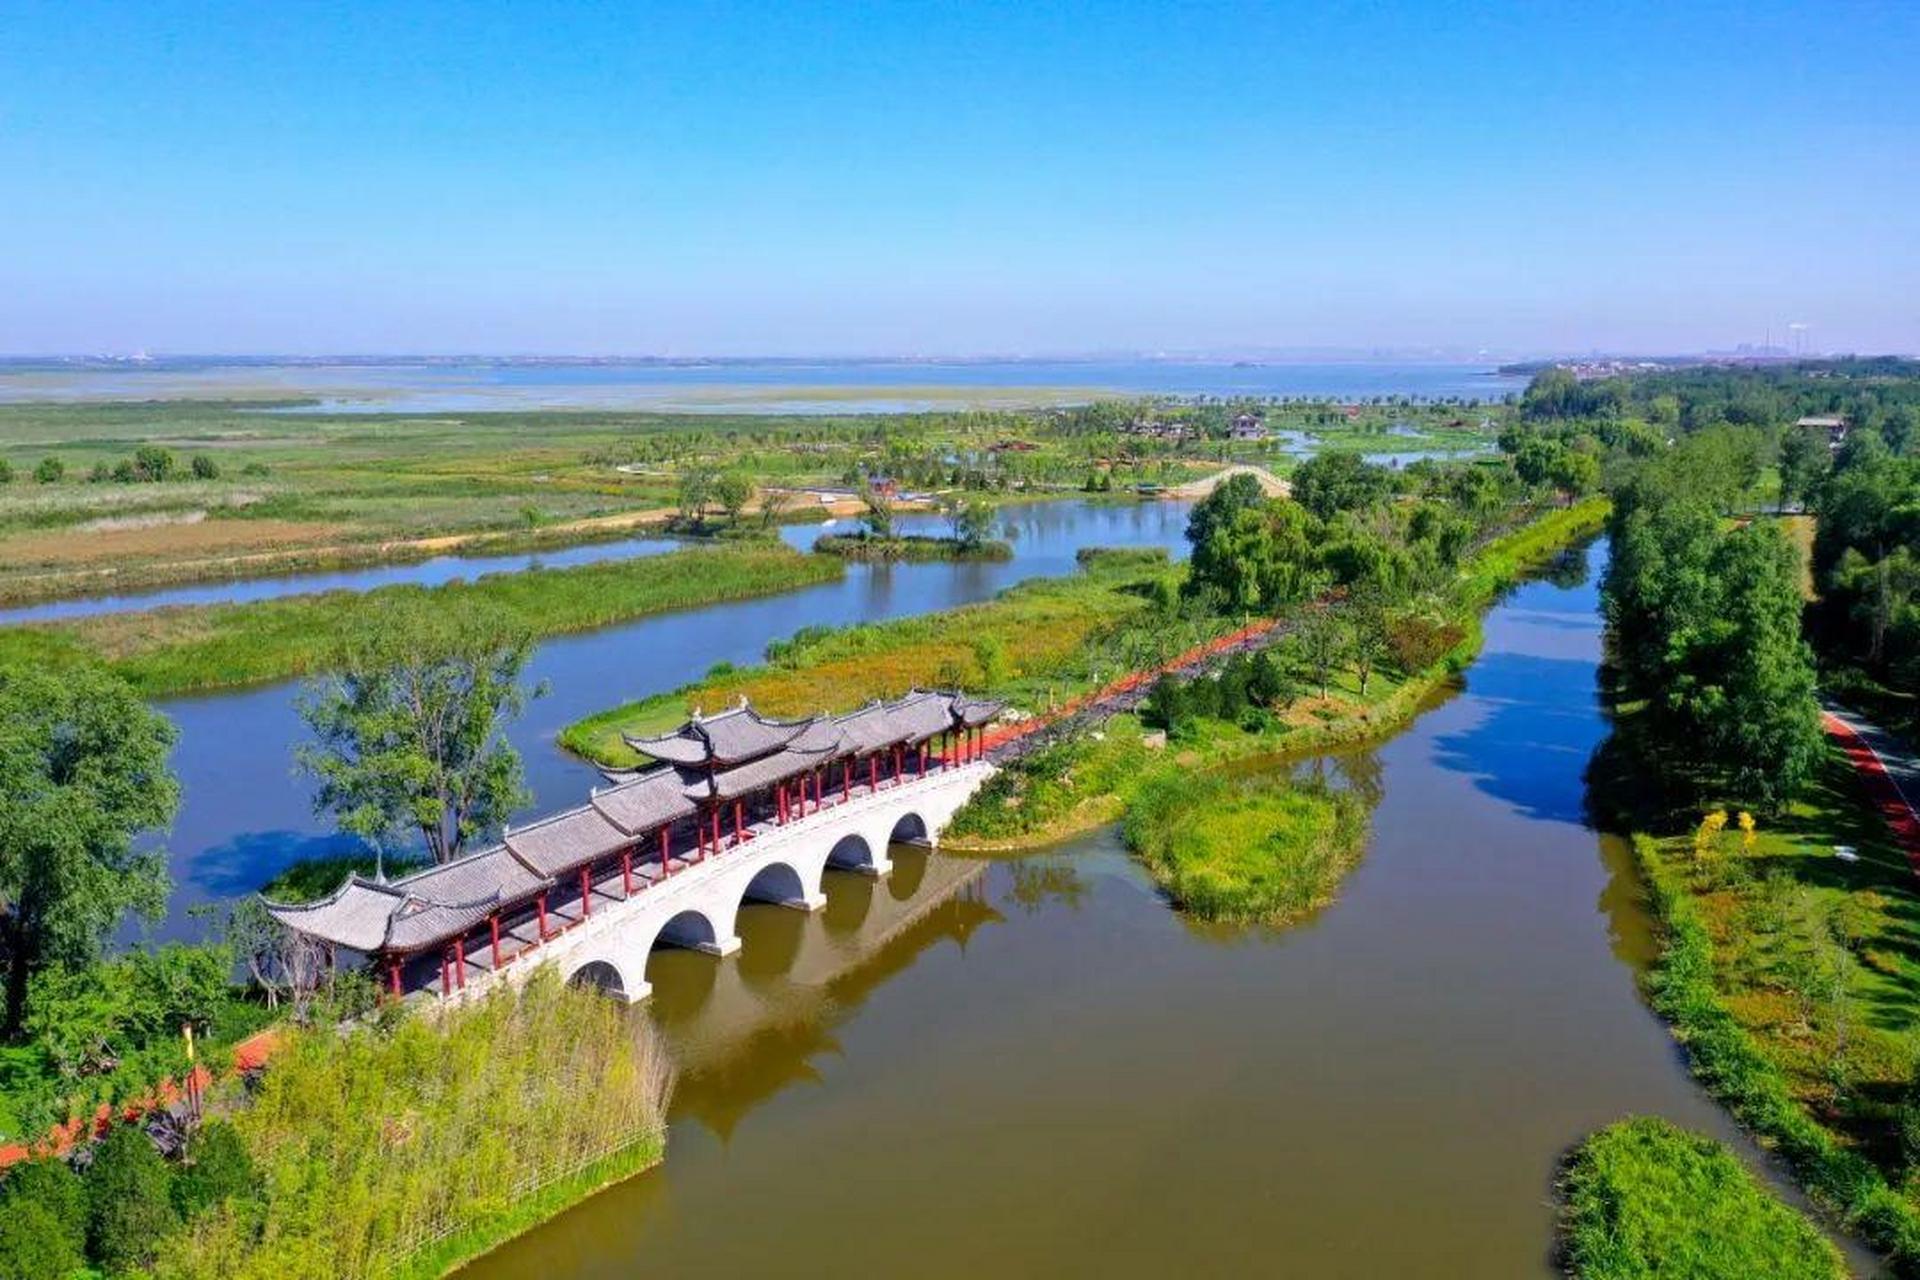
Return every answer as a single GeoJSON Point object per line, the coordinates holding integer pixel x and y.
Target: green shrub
{"type": "Point", "coordinates": [1644, 1200]}
{"type": "Point", "coordinates": [6, 471]}
{"type": "Point", "coordinates": [50, 471]}
{"type": "Point", "coordinates": [204, 467]}
{"type": "Point", "coordinates": [215, 1169]}
{"type": "Point", "coordinates": [129, 1200]}
{"type": "Point", "coordinates": [50, 1185]}
{"type": "Point", "coordinates": [33, 1245]}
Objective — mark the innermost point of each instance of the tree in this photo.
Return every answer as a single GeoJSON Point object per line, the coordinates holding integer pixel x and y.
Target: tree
{"type": "Point", "coordinates": [129, 1201]}
{"type": "Point", "coordinates": [1321, 641]}
{"type": "Point", "coordinates": [83, 771]}
{"type": "Point", "coordinates": [1366, 636]}
{"type": "Point", "coordinates": [1574, 473]}
{"type": "Point", "coordinates": [408, 728]}
{"type": "Point", "coordinates": [33, 1246]}
{"type": "Point", "coordinates": [204, 467]}
{"type": "Point", "coordinates": [1803, 460]}
{"type": "Point", "coordinates": [696, 491]}
{"type": "Point", "coordinates": [50, 1185]}
{"type": "Point", "coordinates": [879, 514]}
{"type": "Point", "coordinates": [774, 503]}
{"type": "Point", "coordinates": [216, 1169]}
{"type": "Point", "coordinates": [1337, 481]}
{"type": "Point", "coordinates": [50, 471]}
{"type": "Point", "coordinates": [732, 491]}
{"type": "Point", "coordinates": [154, 464]}
{"type": "Point", "coordinates": [6, 471]}
{"type": "Point", "coordinates": [969, 519]}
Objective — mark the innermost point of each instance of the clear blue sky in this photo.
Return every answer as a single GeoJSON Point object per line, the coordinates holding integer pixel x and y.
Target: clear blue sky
{"type": "Point", "coordinates": [959, 178]}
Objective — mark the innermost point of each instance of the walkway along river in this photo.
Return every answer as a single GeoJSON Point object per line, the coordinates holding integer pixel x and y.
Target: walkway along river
{"type": "Point", "coordinates": [1046, 1071]}
{"type": "Point", "coordinates": [245, 815]}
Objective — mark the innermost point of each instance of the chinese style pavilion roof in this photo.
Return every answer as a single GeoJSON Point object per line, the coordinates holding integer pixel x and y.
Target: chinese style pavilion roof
{"type": "Point", "coordinates": [706, 761]}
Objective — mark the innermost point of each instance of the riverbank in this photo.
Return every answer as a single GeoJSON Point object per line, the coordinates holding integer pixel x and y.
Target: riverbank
{"type": "Point", "coordinates": [194, 648]}
{"type": "Point", "coordinates": [1034, 644]}
{"type": "Point", "coordinates": [1642, 1198]}
{"type": "Point", "coordinates": [1785, 972]}
{"type": "Point", "coordinates": [1084, 782]}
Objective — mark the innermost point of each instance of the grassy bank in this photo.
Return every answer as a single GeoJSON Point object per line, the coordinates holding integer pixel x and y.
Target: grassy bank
{"type": "Point", "coordinates": [1033, 644]}
{"type": "Point", "coordinates": [1823, 1076]}
{"type": "Point", "coordinates": [181, 649]}
{"type": "Point", "coordinates": [398, 1152]}
{"type": "Point", "coordinates": [1642, 1199]}
{"type": "Point", "coordinates": [912, 548]}
{"type": "Point", "coordinates": [1246, 849]}
{"type": "Point", "coordinates": [1087, 781]}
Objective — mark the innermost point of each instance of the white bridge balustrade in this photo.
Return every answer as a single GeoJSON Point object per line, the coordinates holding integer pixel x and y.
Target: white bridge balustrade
{"type": "Point", "coordinates": [696, 907]}
{"type": "Point", "coordinates": [736, 807]}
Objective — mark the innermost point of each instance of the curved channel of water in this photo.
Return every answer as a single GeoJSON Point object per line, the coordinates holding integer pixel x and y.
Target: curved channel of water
{"type": "Point", "coordinates": [245, 815]}
{"type": "Point", "coordinates": [1035, 1067]}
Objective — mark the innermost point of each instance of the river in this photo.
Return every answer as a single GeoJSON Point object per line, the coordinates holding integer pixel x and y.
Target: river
{"type": "Point", "coordinates": [1043, 1070]}
{"type": "Point", "coordinates": [245, 815]}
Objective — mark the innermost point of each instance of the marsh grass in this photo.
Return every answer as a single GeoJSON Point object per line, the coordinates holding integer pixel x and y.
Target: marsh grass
{"type": "Point", "coordinates": [1642, 1199]}
{"type": "Point", "coordinates": [398, 1150]}
{"type": "Point", "coordinates": [180, 649]}
{"type": "Point", "coordinates": [1245, 849]}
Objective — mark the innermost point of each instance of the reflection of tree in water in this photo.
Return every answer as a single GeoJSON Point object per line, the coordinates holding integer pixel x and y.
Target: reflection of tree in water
{"type": "Point", "coordinates": [1357, 771]}
{"type": "Point", "coordinates": [1033, 885]}
{"type": "Point", "coordinates": [1568, 569]}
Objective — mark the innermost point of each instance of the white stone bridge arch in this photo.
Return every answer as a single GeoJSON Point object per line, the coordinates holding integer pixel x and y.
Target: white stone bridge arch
{"type": "Point", "coordinates": [697, 906]}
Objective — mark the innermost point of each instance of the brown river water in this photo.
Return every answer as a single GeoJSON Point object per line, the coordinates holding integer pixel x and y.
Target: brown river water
{"type": "Point", "coordinates": [1034, 1067]}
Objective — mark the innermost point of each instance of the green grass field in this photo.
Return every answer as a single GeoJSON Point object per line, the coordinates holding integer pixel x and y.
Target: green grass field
{"type": "Point", "coordinates": [180, 649]}
{"type": "Point", "coordinates": [1644, 1200]}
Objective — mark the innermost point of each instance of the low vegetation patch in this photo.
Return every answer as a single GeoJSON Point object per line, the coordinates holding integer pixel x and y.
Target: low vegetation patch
{"type": "Point", "coordinates": [396, 1150]}
{"type": "Point", "coordinates": [1246, 849]}
{"type": "Point", "coordinates": [1643, 1199]}
{"type": "Point", "coordinates": [909, 547]}
{"type": "Point", "coordinates": [175, 650]}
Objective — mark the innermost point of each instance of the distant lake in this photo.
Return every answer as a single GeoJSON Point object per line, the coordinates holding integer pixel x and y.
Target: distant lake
{"type": "Point", "coordinates": [772, 386]}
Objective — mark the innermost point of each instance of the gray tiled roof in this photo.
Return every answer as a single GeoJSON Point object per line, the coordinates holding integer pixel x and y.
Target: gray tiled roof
{"type": "Point", "coordinates": [443, 902]}
{"type": "Point", "coordinates": [648, 800]}
{"type": "Point", "coordinates": [567, 840]}
{"type": "Point", "coordinates": [732, 737]}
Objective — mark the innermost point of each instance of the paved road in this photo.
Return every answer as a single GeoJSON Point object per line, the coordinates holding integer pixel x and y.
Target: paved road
{"type": "Point", "coordinates": [1888, 767]}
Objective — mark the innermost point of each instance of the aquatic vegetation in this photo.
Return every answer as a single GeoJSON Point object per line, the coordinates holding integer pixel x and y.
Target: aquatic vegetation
{"type": "Point", "coordinates": [1644, 1199]}
{"type": "Point", "coordinates": [176, 650]}
{"type": "Point", "coordinates": [397, 1150]}
{"type": "Point", "coordinates": [1246, 849]}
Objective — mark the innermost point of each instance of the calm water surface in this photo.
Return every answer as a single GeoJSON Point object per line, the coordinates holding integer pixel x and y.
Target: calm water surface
{"type": "Point", "coordinates": [1041, 1070]}
{"type": "Point", "coordinates": [245, 815]}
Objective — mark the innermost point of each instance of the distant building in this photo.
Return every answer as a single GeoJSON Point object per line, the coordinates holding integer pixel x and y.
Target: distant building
{"type": "Point", "coordinates": [1248, 427]}
{"type": "Point", "coordinates": [1833, 424]}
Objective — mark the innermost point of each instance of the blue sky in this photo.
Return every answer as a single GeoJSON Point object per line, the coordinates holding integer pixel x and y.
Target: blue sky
{"type": "Point", "coordinates": [943, 178]}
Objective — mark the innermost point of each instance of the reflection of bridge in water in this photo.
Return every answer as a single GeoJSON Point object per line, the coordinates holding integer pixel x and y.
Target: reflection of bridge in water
{"type": "Point", "coordinates": [742, 1028]}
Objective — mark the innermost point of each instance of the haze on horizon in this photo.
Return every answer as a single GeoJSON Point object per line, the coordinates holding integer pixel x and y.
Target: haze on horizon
{"type": "Point", "coordinates": [742, 179]}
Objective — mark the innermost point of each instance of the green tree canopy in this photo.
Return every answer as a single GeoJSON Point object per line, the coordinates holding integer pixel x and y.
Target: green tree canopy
{"type": "Point", "coordinates": [83, 771]}
{"type": "Point", "coordinates": [408, 728]}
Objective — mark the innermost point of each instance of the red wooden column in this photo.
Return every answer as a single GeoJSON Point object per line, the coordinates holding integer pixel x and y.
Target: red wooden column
{"type": "Point", "coordinates": [393, 976]}
{"type": "Point", "coordinates": [626, 873]}
{"type": "Point", "coordinates": [715, 846]}
{"type": "Point", "coordinates": [460, 961]}
{"type": "Point", "coordinates": [846, 780]}
{"type": "Point", "coordinates": [540, 907]}
{"type": "Point", "coordinates": [899, 760]}
{"type": "Point", "coordinates": [446, 976]}
{"type": "Point", "coordinates": [666, 862]}
{"type": "Point", "coordinates": [493, 926]}
{"type": "Point", "coordinates": [781, 793]}
{"type": "Point", "coordinates": [923, 759]}
{"type": "Point", "coordinates": [873, 772]}
{"type": "Point", "coordinates": [739, 822]}
{"type": "Point", "coordinates": [800, 789]}
{"type": "Point", "coordinates": [586, 892]}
